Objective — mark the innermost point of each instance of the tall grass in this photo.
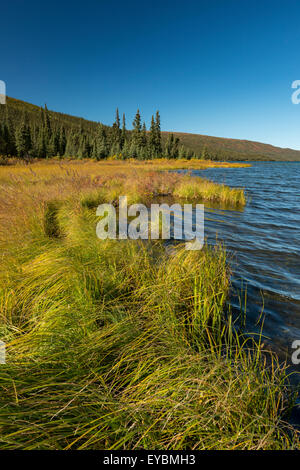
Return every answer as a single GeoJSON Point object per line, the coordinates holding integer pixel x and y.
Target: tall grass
{"type": "Point", "coordinates": [138, 180]}
{"type": "Point", "coordinates": [200, 189]}
{"type": "Point", "coordinates": [121, 345]}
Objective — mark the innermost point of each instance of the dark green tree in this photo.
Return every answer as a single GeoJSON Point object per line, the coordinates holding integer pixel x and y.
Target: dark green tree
{"type": "Point", "coordinates": [152, 139]}
{"type": "Point", "coordinates": [123, 133]}
{"type": "Point", "coordinates": [23, 137]}
{"type": "Point", "coordinates": [137, 128]}
{"type": "Point", "coordinates": [62, 141]}
{"type": "Point", "coordinates": [169, 146]}
{"type": "Point", "coordinates": [158, 148]}
{"type": "Point", "coordinates": [101, 143]}
{"type": "Point", "coordinates": [116, 134]}
{"type": "Point", "coordinates": [144, 136]}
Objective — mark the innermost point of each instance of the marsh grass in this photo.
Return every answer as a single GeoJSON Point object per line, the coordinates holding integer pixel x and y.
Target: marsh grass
{"type": "Point", "coordinates": [51, 224]}
{"type": "Point", "coordinates": [139, 180]}
{"type": "Point", "coordinates": [201, 189]}
{"type": "Point", "coordinates": [121, 344]}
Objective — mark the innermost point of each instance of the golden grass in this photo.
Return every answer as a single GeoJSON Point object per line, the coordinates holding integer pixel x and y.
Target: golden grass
{"type": "Point", "coordinates": [29, 187]}
{"type": "Point", "coordinates": [88, 167]}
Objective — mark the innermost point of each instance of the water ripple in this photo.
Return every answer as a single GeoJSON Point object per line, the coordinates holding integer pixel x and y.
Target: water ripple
{"type": "Point", "coordinates": [263, 243]}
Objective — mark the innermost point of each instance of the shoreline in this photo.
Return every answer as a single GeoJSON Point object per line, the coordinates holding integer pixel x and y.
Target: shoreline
{"type": "Point", "coordinates": [109, 340]}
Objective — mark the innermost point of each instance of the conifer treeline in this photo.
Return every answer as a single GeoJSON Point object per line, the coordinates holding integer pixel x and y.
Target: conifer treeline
{"type": "Point", "coordinates": [28, 131]}
{"type": "Point", "coordinates": [25, 134]}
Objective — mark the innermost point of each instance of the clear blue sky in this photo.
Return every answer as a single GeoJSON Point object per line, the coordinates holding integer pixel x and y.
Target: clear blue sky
{"type": "Point", "coordinates": [216, 67]}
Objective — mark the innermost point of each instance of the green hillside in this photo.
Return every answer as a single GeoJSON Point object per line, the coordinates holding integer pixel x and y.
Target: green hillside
{"type": "Point", "coordinates": [27, 129]}
{"type": "Point", "coordinates": [243, 149]}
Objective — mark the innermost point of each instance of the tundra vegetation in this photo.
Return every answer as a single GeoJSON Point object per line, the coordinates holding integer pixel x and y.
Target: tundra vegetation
{"type": "Point", "coordinates": [122, 344]}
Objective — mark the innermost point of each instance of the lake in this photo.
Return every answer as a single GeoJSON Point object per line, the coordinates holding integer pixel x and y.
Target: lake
{"type": "Point", "coordinates": [263, 246]}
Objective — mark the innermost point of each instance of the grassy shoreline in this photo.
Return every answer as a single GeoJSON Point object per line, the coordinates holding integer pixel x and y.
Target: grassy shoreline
{"type": "Point", "coordinates": [157, 164]}
{"type": "Point", "coordinates": [117, 344]}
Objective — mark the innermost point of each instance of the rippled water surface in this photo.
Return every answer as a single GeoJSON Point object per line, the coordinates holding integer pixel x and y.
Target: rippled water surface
{"type": "Point", "coordinates": [263, 243]}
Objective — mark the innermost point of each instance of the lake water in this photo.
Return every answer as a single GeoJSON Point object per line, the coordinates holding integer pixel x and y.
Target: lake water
{"type": "Point", "coordinates": [263, 245]}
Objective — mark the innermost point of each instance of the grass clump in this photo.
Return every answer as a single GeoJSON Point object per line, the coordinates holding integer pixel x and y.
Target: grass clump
{"type": "Point", "coordinates": [198, 188]}
{"type": "Point", "coordinates": [51, 224]}
{"type": "Point", "coordinates": [92, 199]}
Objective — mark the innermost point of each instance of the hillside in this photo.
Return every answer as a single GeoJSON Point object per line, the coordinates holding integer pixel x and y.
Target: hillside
{"type": "Point", "coordinates": [75, 136]}
{"type": "Point", "coordinates": [17, 107]}
{"type": "Point", "coordinates": [247, 149]}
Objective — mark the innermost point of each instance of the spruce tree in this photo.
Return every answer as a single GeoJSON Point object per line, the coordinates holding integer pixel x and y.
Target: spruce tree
{"type": "Point", "coordinates": [101, 143]}
{"type": "Point", "coordinates": [136, 132]}
{"type": "Point", "coordinates": [152, 139]}
{"type": "Point", "coordinates": [40, 143]}
{"type": "Point", "coordinates": [23, 137]}
{"type": "Point", "coordinates": [133, 149]}
{"type": "Point", "coordinates": [144, 136]}
{"type": "Point", "coordinates": [62, 141]}
{"type": "Point", "coordinates": [126, 150]}
{"type": "Point", "coordinates": [169, 146]}
{"type": "Point", "coordinates": [158, 149]}
{"type": "Point", "coordinates": [70, 145]}
{"type": "Point", "coordinates": [116, 134]}
{"type": "Point", "coordinates": [123, 134]}
{"type": "Point", "coordinates": [41, 117]}
{"type": "Point", "coordinates": [94, 149]}
{"type": "Point", "coordinates": [172, 147]}
{"type": "Point", "coordinates": [47, 124]}
{"type": "Point", "coordinates": [6, 136]}
{"type": "Point", "coordinates": [175, 149]}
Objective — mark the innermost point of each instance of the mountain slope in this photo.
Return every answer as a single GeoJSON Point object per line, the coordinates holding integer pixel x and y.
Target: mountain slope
{"type": "Point", "coordinates": [17, 107]}
{"type": "Point", "coordinates": [245, 148]}
{"type": "Point", "coordinates": [217, 147]}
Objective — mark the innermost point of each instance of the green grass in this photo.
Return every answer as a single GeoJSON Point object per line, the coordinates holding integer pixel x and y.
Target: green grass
{"type": "Point", "coordinates": [205, 190]}
{"type": "Point", "coordinates": [119, 345]}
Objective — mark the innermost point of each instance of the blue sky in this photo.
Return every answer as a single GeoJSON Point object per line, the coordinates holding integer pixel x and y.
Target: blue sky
{"type": "Point", "coordinates": [222, 67]}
